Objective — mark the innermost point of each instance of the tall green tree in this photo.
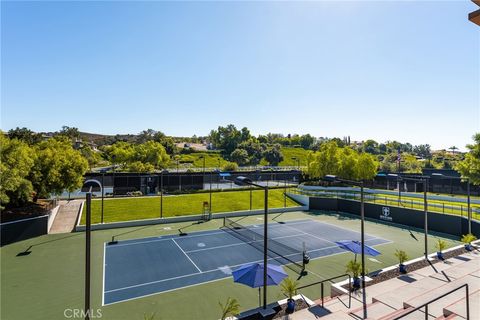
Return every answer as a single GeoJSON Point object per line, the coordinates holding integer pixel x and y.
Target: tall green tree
{"type": "Point", "coordinates": [325, 161]}
{"type": "Point", "coordinates": [470, 166]}
{"type": "Point", "coordinates": [24, 134]}
{"type": "Point", "coordinates": [150, 152]}
{"type": "Point", "coordinates": [239, 156]}
{"type": "Point", "coordinates": [274, 155]}
{"type": "Point", "coordinates": [16, 161]}
{"type": "Point", "coordinates": [227, 138]}
{"type": "Point", "coordinates": [57, 167]}
{"type": "Point", "coordinates": [367, 167]}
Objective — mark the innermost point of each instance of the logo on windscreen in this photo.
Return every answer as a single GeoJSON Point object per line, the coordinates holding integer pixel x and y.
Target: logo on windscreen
{"type": "Point", "coordinates": [386, 214]}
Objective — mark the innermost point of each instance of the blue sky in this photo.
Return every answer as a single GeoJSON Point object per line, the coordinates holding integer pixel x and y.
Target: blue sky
{"type": "Point", "coordinates": [396, 70]}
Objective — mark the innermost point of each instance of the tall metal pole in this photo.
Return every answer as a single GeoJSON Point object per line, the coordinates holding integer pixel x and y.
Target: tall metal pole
{"type": "Point", "coordinates": [103, 192]}
{"type": "Point", "coordinates": [87, 255]}
{"type": "Point", "coordinates": [425, 207]}
{"type": "Point", "coordinates": [265, 248]}
{"type": "Point", "coordinates": [161, 195]}
{"type": "Point", "coordinates": [251, 197]}
{"type": "Point", "coordinates": [468, 208]}
{"type": "Point", "coordinates": [285, 194]}
{"type": "Point", "coordinates": [210, 207]}
{"type": "Point", "coordinates": [362, 229]}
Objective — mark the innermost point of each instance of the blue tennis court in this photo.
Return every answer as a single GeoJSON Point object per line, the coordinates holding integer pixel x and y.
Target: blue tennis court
{"type": "Point", "coordinates": [141, 267]}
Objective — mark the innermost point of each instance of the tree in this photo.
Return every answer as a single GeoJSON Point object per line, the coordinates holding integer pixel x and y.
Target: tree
{"type": "Point", "coordinates": [307, 141]}
{"type": "Point", "coordinates": [150, 152]}
{"type": "Point", "coordinates": [93, 157]}
{"type": "Point", "coordinates": [70, 132]}
{"type": "Point", "coordinates": [370, 146]}
{"type": "Point", "coordinates": [423, 150]}
{"type": "Point", "coordinates": [25, 135]}
{"type": "Point", "coordinates": [239, 156]}
{"type": "Point", "coordinates": [17, 159]}
{"type": "Point", "coordinates": [57, 167]}
{"type": "Point", "coordinates": [367, 167]}
{"type": "Point", "coordinates": [254, 150]}
{"type": "Point", "coordinates": [453, 148]}
{"type": "Point", "coordinates": [470, 166]}
{"type": "Point", "coordinates": [119, 152]}
{"type": "Point", "coordinates": [227, 138]}
{"type": "Point", "coordinates": [274, 155]}
{"type": "Point", "coordinates": [325, 161]}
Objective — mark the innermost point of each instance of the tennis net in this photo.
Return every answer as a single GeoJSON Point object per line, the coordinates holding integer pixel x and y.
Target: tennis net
{"type": "Point", "coordinates": [288, 256]}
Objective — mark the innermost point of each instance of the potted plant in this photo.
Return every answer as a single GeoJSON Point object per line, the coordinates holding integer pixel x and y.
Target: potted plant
{"type": "Point", "coordinates": [289, 288]}
{"type": "Point", "coordinates": [230, 308]}
{"type": "Point", "coordinates": [467, 239]}
{"type": "Point", "coordinates": [354, 268]}
{"type": "Point", "coordinates": [441, 245]}
{"type": "Point", "coordinates": [402, 257]}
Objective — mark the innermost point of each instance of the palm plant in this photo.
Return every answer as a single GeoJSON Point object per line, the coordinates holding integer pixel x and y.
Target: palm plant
{"type": "Point", "coordinates": [467, 239]}
{"type": "Point", "coordinates": [440, 245]}
{"type": "Point", "coordinates": [149, 316]}
{"type": "Point", "coordinates": [354, 268]}
{"type": "Point", "coordinates": [289, 288]}
{"type": "Point", "coordinates": [230, 308]}
{"type": "Point", "coordinates": [402, 257]}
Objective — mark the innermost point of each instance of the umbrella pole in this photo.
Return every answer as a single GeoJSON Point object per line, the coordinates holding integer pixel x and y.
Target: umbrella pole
{"type": "Point", "coordinates": [259, 297]}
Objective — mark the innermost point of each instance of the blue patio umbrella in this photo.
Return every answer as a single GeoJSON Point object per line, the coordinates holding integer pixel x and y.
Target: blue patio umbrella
{"type": "Point", "coordinates": [252, 275]}
{"type": "Point", "coordinates": [356, 247]}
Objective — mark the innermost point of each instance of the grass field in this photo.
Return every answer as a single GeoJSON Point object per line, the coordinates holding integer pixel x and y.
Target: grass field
{"type": "Point", "coordinates": [214, 159]}
{"type": "Point", "coordinates": [124, 209]}
{"type": "Point", "coordinates": [50, 280]}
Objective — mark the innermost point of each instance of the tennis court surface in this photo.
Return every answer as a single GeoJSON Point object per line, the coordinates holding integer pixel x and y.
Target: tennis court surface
{"type": "Point", "coordinates": [141, 267]}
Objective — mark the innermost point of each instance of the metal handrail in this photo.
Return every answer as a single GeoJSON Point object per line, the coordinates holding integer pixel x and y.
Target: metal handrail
{"type": "Point", "coordinates": [330, 279]}
{"type": "Point", "coordinates": [438, 298]}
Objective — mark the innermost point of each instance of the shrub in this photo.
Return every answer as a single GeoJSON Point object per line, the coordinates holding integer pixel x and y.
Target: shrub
{"type": "Point", "coordinates": [231, 166]}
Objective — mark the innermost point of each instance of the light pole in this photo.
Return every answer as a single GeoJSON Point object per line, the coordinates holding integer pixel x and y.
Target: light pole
{"type": "Point", "coordinates": [88, 185]}
{"type": "Point", "coordinates": [469, 213]}
{"type": "Point", "coordinates": [333, 178]}
{"type": "Point", "coordinates": [242, 181]}
{"type": "Point", "coordinates": [424, 180]}
{"type": "Point", "coordinates": [161, 194]}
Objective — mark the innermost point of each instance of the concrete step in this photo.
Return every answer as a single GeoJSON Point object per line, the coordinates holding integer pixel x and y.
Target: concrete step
{"type": "Point", "coordinates": [375, 310]}
{"type": "Point", "coordinates": [338, 315]}
{"type": "Point", "coordinates": [436, 308]}
{"type": "Point", "coordinates": [397, 297]}
{"type": "Point", "coordinates": [459, 308]}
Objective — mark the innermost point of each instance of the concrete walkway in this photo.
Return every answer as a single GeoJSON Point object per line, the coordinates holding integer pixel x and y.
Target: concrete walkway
{"type": "Point", "coordinates": [67, 216]}
{"type": "Point", "coordinates": [394, 297]}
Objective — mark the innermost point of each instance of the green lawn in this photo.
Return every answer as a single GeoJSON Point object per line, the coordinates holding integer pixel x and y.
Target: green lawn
{"type": "Point", "coordinates": [124, 209]}
{"type": "Point", "coordinates": [49, 280]}
{"type": "Point", "coordinates": [212, 158]}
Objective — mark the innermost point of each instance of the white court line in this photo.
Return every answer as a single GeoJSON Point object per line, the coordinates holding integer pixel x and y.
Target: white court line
{"type": "Point", "coordinates": [307, 233]}
{"type": "Point", "coordinates": [204, 233]}
{"type": "Point", "coordinates": [210, 281]}
{"type": "Point", "coordinates": [242, 243]}
{"type": "Point", "coordinates": [186, 255]}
